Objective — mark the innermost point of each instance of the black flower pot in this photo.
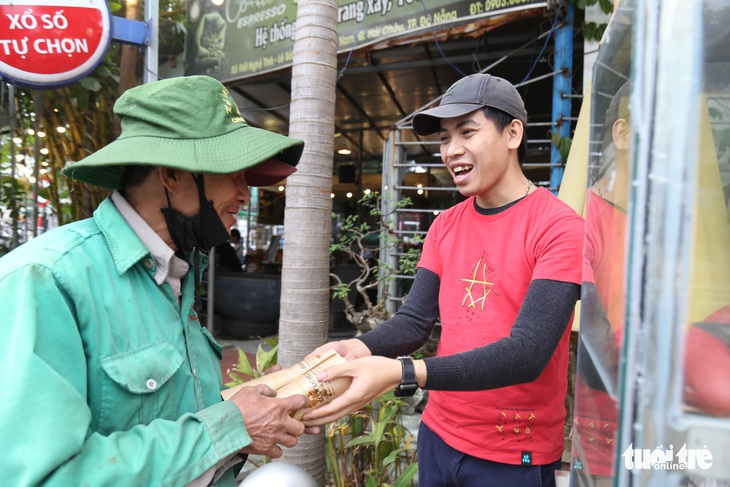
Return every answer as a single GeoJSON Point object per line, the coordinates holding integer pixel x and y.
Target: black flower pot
{"type": "Point", "coordinates": [248, 304]}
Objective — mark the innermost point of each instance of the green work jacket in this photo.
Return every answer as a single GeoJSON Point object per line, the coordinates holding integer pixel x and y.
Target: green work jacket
{"type": "Point", "coordinates": [106, 380]}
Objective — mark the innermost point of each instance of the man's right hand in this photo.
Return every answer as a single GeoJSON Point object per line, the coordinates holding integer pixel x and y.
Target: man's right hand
{"type": "Point", "coordinates": [267, 419]}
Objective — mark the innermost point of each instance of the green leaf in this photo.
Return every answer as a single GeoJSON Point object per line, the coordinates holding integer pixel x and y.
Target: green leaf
{"type": "Point", "coordinates": [593, 31]}
{"type": "Point", "coordinates": [388, 411]}
{"type": "Point", "coordinates": [407, 475]}
{"type": "Point", "coordinates": [564, 147]}
{"type": "Point", "coordinates": [243, 365]}
{"type": "Point", "coordinates": [91, 84]}
{"type": "Point", "coordinates": [606, 6]}
{"type": "Point", "coordinates": [104, 71]}
{"type": "Point", "coordinates": [361, 440]}
{"type": "Point", "coordinates": [340, 290]}
{"type": "Point", "coordinates": [555, 137]}
{"type": "Point", "coordinates": [265, 358]}
{"type": "Point", "coordinates": [393, 456]}
{"type": "Point", "coordinates": [236, 380]}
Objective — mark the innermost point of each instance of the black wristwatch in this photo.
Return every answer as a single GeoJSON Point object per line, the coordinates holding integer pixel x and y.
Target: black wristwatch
{"type": "Point", "coordinates": [408, 384]}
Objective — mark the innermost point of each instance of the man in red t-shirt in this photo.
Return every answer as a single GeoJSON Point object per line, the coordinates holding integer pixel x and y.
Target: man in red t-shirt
{"type": "Point", "coordinates": [502, 269]}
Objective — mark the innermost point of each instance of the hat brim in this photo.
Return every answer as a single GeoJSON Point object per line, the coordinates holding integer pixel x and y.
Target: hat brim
{"type": "Point", "coordinates": [428, 122]}
{"type": "Point", "coordinates": [268, 173]}
{"type": "Point", "coordinates": [243, 148]}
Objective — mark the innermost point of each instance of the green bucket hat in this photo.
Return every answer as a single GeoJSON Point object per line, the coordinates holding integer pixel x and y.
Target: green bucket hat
{"type": "Point", "coordinates": [189, 123]}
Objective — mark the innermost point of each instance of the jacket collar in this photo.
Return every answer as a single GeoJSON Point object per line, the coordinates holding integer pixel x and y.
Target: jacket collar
{"type": "Point", "coordinates": [126, 248]}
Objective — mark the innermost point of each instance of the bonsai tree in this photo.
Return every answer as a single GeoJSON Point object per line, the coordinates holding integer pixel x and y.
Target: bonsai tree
{"type": "Point", "coordinates": [356, 231]}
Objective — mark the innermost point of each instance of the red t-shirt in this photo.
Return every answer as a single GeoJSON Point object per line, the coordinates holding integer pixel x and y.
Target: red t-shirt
{"type": "Point", "coordinates": [485, 264]}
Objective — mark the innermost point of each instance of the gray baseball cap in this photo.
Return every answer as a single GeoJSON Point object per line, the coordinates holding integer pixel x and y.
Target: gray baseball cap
{"type": "Point", "coordinates": [468, 94]}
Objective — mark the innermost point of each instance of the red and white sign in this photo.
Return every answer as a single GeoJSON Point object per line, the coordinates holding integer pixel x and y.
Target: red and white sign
{"type": "Point", "coordinates": [46, 43]}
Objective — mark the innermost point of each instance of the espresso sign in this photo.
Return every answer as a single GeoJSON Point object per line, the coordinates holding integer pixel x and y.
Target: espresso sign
{"type": "Point", "coordinates": [49, 43]}
{"type": "Point", "coordinates": [240, 38]}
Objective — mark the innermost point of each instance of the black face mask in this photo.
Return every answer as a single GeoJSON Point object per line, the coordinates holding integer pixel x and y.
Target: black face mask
{"type": "Point", "coordinates": [204, 230]}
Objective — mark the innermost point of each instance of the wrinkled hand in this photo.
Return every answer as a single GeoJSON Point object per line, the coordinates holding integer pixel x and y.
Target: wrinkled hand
{"type": "Point", "coordinates": [348, 349]}
{"type": "Point", "coordinates": [371, 378]}
{"type": "Point", "coordinates": [267, 419]}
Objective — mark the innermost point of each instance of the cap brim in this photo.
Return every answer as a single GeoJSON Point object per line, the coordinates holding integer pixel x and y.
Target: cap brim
{"type": "Point", "coordinates": [428, 122]}
{"type": "Point", "coordinates": [268, 173]}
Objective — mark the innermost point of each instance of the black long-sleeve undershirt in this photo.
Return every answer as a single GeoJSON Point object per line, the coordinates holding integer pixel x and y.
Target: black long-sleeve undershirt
{"type": "Point", "coordinates": [519, 358]}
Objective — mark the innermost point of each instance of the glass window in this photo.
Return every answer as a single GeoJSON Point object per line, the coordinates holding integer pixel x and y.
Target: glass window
{"type": "Point", "coordinates": [652, 403]}
{"type": "Point", "coordinates": [595, 417]}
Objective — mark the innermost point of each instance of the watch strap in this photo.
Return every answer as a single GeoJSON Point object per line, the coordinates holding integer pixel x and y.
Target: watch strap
{"type": "Point", "coordinates": [408, 384]}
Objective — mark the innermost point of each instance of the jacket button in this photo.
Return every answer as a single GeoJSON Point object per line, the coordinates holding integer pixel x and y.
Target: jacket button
{"type": "Point", "coordinates": [151, 384]}
{"type": "Point", "coordinates": [148, 263]}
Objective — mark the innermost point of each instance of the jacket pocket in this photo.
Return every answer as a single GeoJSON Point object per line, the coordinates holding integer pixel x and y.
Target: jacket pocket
{"type": "Point", "coordinates": [135, 389]}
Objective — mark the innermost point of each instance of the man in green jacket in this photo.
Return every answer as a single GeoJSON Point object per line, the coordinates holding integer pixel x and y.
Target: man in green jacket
{"type": "Point", "coordinates": [108, 376]}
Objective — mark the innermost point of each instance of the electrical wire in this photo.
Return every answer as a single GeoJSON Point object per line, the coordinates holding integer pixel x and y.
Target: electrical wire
{"type": "Point", "coordinates": [547, 39]}
{"type": "Point", "coordinates": [438, 45]}
{"type": "Point", "coordinates": [352, 49]}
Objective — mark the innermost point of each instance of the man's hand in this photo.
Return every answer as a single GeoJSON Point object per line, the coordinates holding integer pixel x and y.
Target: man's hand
{"type": "Point", "coordinates": [267, 419]}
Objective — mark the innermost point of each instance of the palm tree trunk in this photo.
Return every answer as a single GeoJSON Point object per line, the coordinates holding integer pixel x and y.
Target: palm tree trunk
{"type": "Point", "coordinates": [305, 291]}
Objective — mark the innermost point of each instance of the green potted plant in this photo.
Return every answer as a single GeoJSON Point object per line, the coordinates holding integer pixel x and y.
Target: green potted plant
{"type": "Point", "coordinates": [361, 239]}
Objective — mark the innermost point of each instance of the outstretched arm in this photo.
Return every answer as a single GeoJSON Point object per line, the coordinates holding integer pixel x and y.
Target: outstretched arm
{"type": "Point", "coordinates": [521, 357]}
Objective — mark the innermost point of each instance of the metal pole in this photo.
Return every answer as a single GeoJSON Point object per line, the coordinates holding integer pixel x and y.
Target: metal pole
{"type": "Point", "coordinates": [2, 100]}
{"type": "Point", "coordinates": [38, 106]}
{"type": "Point", "coordinates": [151, 64]}
{"type": "Point", "coordinates": [13, 203]}
{"type": "Point", "coordinates": [562, 86]}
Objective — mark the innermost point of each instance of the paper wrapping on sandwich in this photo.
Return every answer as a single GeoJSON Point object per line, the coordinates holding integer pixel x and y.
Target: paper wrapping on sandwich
{"type": "Point", "coordinates": [301, 378]}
